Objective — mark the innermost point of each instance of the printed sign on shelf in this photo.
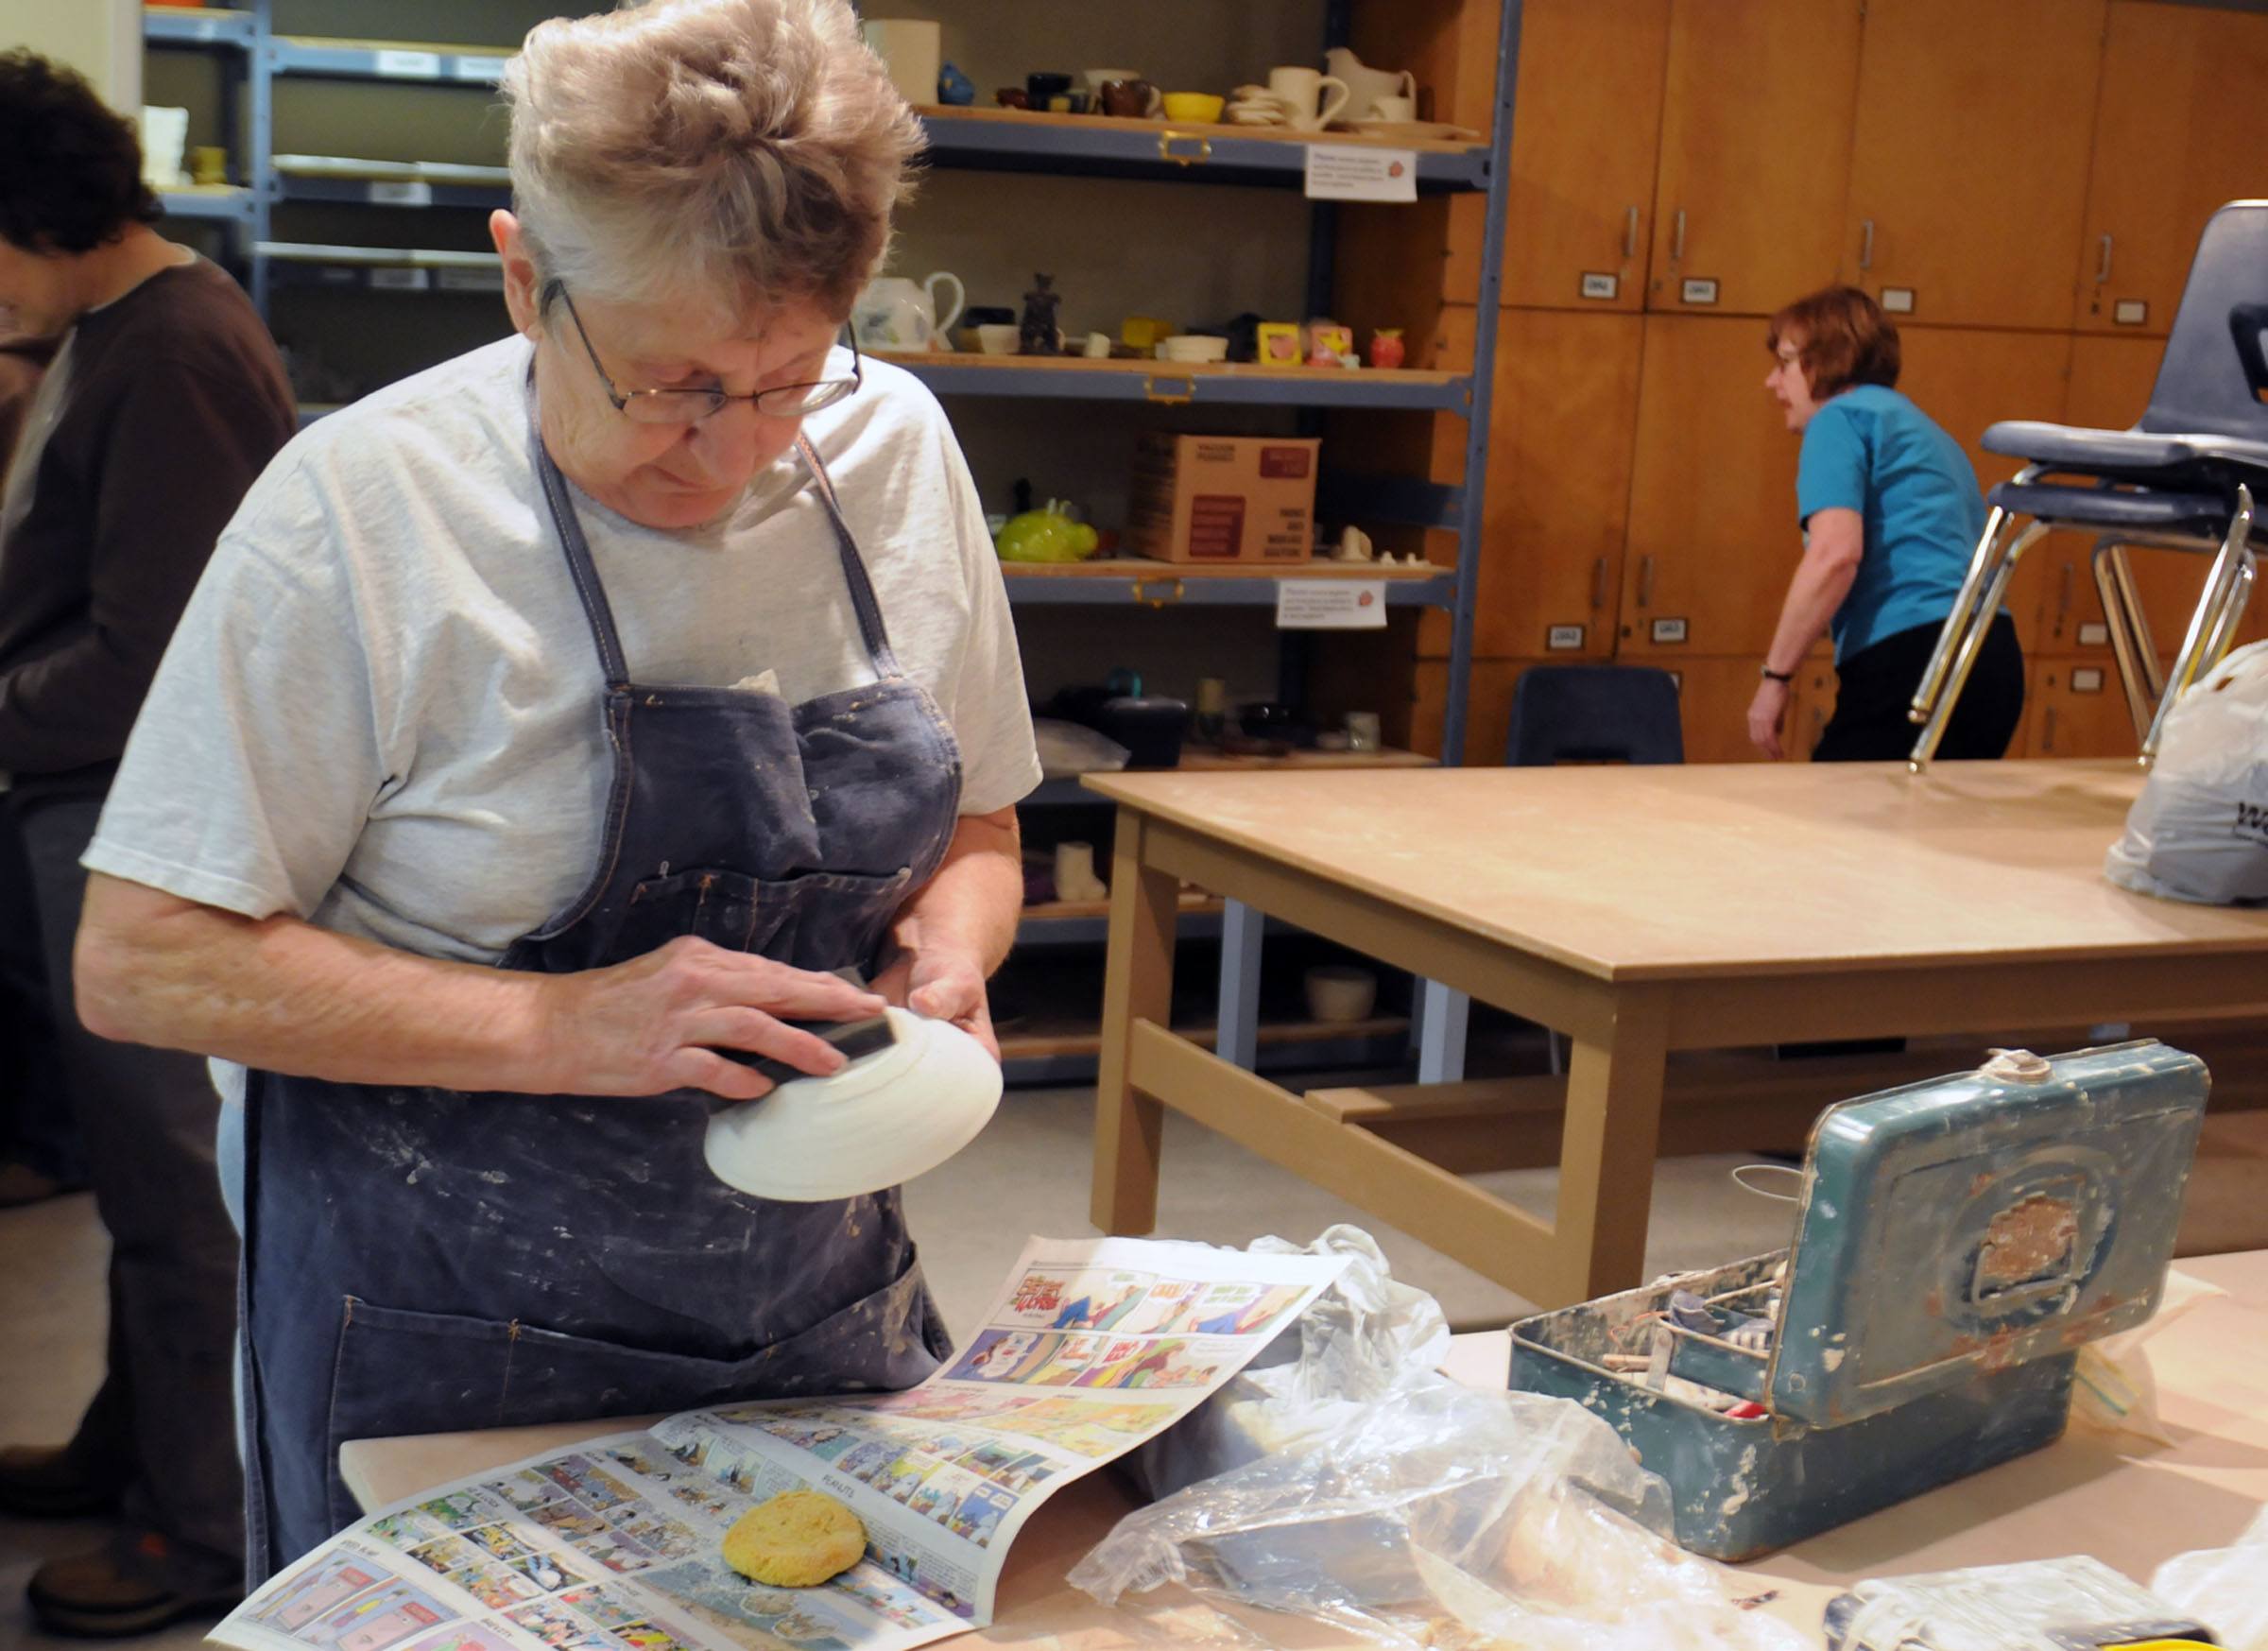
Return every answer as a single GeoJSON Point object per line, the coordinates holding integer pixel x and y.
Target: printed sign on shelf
{"type": "Point", "coordinates": [1331, 604]}
{"type": "Point", "coordinates": [1345, 172]}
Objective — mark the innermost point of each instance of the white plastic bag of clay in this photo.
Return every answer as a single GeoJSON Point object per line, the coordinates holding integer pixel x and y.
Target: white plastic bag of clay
{"type": "Point", "coordinates": [1365, 1336]}
{"type": "Point", "coordinates": [2199, 830]}
{"type": "Point", "coordinates": [2226, 1588]}
{"type": "Point", "coordinates": [1442, 1515]}
{"type": "Point", "coordinates": [1068, 749]}
{"type": "Point", "coordinates": [2113, 1389]}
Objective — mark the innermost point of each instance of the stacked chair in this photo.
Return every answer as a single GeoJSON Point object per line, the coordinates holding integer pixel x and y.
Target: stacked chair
{"type": "Point", "coordinates": [2184, 478]}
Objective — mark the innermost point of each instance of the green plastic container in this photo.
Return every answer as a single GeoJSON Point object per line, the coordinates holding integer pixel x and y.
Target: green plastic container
{"type": "Point", "coordinates": [1957, 1241]}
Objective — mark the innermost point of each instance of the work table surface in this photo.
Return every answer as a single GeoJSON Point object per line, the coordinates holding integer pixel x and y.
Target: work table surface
{"type": "Point", "coordinates": [1665, 874]}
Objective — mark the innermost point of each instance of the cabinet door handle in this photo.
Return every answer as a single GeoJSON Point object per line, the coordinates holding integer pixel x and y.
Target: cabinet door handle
{"type": "Point", "coordinates": [1598, 584]}
{"type": "Point", "coordinates": [1630, 233]}
{"type": "Point", "coordinates": [2047, 733]}
{"type": "Point", "coordinates": [1677, 239]}
{"type": "Point", "coordinates": [1645, 582]}
{"type": "Point", "coordinates": [2102, 265]}
{"type": "Point", "coordinates": [1866, 244]}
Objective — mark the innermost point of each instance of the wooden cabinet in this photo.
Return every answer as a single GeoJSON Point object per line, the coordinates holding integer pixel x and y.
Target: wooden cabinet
{"type": "Point", "coordinates": [1755, 152]}
{"type": "Point", "coordinates": [1487, 709]}
{"type": "Point", "coordinates": [1970, 156]}
{"type": "Point", "coordinates": [2074, 709]}
{"type": "Point", "coordinates": [1713, 706]}
{"type": "Point", "coordinates": [2168, 149]}
{"type": "Point", "coordinates": [1586, 118]}
{"type": "Point", "coordinates": [1811, 707]}
{"type": "Point", "coordinates": [1559, 487]}
{"type": "Point", "coordinates": [1712, 537]}
{"type": "Point", "coordinates": [1968, 380]}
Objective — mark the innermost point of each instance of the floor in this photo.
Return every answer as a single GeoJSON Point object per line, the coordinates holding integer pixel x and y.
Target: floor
{"type": "Point", "coordinates": [1032, 1164]}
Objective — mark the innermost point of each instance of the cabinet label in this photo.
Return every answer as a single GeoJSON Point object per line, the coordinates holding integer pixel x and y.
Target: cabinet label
{"type": "Point", "coordinates": [470, 281]}
{"type": "Point", "coordinates": [1331, 604]}
{"type": "Point", "coordinates": [401, 195]}
{"type": "Point", "coordinates": [2130, 312]}
{"type": "Point", "coordinates": [1344, 172]}
{"type": "Point", "coordinates": [401, 279]}
{"type": "Point", "coordinates": [1668, 630]}
{"type": "Point", "coordinates": [410, 65]}
{"type": "Point", "coordinates": [480, 71]}
{"type": "Point", "coordinates": [2096, 634]}
{"type": "Point", "coordinates": [1696, 290]}
{"type": "Point", "coordinates": [2086, 680]}
{"type": "Point", "coordinates": [1898, 300]}
{"type": "Point", "coordinates": [1563, 638]}
{"type": "Point", "coordinates": [1596, 284]}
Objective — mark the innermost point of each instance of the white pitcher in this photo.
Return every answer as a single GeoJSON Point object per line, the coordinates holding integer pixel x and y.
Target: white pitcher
{"type": "Point", "coordinates": [1366, 86]}
{"type": "Point", "coordinates": [895, 313]}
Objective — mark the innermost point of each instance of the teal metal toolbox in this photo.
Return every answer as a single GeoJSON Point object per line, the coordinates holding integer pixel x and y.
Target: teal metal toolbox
{"type": "Point", "coordinates": [1956, 1242]}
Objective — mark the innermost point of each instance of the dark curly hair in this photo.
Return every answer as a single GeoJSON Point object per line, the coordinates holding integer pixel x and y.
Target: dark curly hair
{"type": "Point", "coordinates": [70, 165]}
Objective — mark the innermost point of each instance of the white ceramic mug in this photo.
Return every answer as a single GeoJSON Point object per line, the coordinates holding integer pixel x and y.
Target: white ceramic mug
{"type": "Point", "coordinates": [1298, 91]}
{"type": "Point", "coordinates": [998, 338]}
{"type": "Point", "coordinates": [1363, 731]}
{"type": "Point", "coordinates": [913, 48]}
{"type": "Point", "coordinates": [1397, 109]}
{"type": "Point", "coordinates": [895, 313]}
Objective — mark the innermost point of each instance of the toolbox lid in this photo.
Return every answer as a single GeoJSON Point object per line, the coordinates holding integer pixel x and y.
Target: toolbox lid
{"type": "Point", "coordinates": [1981, 1220]}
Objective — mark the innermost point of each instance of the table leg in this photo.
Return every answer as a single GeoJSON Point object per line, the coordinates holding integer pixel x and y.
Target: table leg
{"type": "Point", "coordinates": [1442, 1012]}
{"type": "Point", "coordinates": [1138, 985]}
{"type": "Point", "coordinates": [1606, 1152]}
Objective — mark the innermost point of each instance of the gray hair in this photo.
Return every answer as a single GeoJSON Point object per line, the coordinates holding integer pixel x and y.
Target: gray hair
{"type": "Point", "coordinates": [731, 154]}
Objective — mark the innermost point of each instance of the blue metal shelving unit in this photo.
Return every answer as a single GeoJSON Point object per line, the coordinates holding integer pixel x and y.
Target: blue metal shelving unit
{"type": "Point", "coordinates": [983, 141]}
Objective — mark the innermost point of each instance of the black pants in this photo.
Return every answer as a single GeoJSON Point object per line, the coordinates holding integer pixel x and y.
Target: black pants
{"type": "Point", "coordinates": [1876, 685]}
{"type": "Point", "coordinates": [163, 1426]}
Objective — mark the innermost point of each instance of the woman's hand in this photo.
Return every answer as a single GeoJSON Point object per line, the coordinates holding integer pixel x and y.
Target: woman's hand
{"type": "Point", "coordinates": [944, 985]}
{"type": "Point", "coordinates": [1767, 714]}
{"type": "Point", "coordinates": [655, 1024]}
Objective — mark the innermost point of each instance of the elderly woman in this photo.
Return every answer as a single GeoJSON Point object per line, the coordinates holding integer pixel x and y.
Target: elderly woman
{"type": "Point", "coordinates": [1890, 512]}
{"type": "Point", "coordinates": [545, 724]}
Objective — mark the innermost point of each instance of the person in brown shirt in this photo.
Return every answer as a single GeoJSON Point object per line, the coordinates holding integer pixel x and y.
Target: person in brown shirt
{"type": "Point", "coordinates": [163, 399]}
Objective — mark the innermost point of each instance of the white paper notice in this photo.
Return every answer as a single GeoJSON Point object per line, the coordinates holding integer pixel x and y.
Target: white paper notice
{"type": "Point", "coordinates": [1345, 172]}
{"type": "Point", "coordinates": [1331, 604]}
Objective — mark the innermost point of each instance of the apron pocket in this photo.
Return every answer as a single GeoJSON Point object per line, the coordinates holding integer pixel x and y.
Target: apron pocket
{"type": "Point", "coordinates": [404, 1371]}
{"type": "Point", "coordinates": [822, 920]}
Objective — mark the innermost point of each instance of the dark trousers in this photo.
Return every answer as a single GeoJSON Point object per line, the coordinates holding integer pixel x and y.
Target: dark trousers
{"type": "Point", "coordinates": [1874, 687]}
{"type": "Point", "coordinates": [36, 1126]}
{"type": "Point", "coordinates": [163, 1426]}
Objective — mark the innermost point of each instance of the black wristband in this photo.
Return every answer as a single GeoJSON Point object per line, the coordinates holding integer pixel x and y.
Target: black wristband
{"type": "Point", "coordinates": [1779, 676]}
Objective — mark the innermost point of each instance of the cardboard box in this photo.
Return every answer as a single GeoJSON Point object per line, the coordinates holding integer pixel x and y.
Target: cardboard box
{"type": "Point", "coordinates": [1224, 498]}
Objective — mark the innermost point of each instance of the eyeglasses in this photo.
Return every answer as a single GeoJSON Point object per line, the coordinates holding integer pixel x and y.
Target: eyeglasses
{"type": "Point", "coordinates": [691, 405]}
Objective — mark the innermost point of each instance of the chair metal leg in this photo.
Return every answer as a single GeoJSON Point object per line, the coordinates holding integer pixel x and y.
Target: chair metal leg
{"type": "Point", "coordinates": [1981, 562]}
{"type": "Point", "coordinates": [2225, 585]}
{"type": "Point", "coordinates": [2230, 616]}
{"type": "Point", "coordinates": [2130, 641]}
{"type": "Point", "coordinates": [1972, 643]}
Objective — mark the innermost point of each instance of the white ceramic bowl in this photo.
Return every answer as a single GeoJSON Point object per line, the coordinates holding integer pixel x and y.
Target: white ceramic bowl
{"type": "Point", "coordinates": [1339, 992]}
{"type": "Point", "coordinates": [1193, 347]}
{"type": "Point", "coordinates": [883, 1119]}
{"type": "Point", "coordinates": [998, 338]}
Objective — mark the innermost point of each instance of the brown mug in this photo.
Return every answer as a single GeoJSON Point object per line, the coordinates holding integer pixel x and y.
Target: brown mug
{"type": "Point", "coordinates": [1130, 100]}
{"type": "Point", "coordinates": [1012, 97]}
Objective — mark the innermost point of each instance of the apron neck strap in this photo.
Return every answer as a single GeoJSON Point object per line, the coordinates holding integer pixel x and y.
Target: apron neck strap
{"type": "Point", "coordinates": [584, 571]}
{"type": "Point", "coordinates": [855, 567]}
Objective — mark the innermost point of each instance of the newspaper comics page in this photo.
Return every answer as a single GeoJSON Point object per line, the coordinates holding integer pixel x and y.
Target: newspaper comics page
{"type": "Point", "coordinates": [1092, 1347]}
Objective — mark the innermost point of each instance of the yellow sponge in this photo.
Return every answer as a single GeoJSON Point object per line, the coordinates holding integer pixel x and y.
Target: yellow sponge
{"type": "Point", "coordinates": [796, 1540]}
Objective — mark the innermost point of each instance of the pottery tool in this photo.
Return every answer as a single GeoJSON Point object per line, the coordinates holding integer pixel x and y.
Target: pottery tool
{"type": "Point", "coordinates": [915, 1092]}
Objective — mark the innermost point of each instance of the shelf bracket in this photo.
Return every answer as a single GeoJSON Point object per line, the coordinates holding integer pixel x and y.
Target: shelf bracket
{"type": "Point", "coordinates": [1150, 392]}
{"type": "Point", "coordinates": [1203, 152]}
{"type": "Point", "coordinates": [1144, 598]}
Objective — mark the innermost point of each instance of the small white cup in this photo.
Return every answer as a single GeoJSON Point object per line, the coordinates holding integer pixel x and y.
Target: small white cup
{"type": "Point", "coordinates": [998, 338]}
{"type": "Point", "coordinates": [1098, 346]}
{"type": "Point", "coordinates": [1339, 992]}
{"type": "Point", "coordinates": [1363, 733]}
{"type": "Point", "coordinates": [1399, 110]}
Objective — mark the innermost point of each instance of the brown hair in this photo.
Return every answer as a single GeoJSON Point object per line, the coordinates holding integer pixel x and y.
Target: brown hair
{"type": "Point", "coordinates": [748, 151]}
{"type": "Point", "coordinates": [1846, 340]}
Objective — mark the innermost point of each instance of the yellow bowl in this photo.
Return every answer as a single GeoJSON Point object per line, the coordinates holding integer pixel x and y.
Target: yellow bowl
{"type": "Point", "coordinates": [1194, 108]}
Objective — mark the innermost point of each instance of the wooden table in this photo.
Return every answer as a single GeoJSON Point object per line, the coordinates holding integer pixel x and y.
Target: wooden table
{"type": "Point", "coordinates": [1639, 911]}
{"type": "Point", "coordinates": [2079, 1496]}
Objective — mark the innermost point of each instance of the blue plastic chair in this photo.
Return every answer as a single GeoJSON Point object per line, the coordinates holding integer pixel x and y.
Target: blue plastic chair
{"type": "Point", "coordinates": [1594, 714]}
{"type": "Point", "coordinates": [2183, 478]}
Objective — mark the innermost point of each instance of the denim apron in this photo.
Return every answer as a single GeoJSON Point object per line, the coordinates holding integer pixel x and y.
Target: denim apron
{"type": "Point", "coordinates": [421, 1260]}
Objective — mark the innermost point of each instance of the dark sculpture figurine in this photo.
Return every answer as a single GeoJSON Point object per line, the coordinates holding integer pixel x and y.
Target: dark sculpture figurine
{"type": "Point", "coordinates": [1038, 333]}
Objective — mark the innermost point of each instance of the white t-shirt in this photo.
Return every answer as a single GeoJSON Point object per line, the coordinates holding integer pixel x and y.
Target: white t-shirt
{"type": "Point", "coordinates": [382, 711]}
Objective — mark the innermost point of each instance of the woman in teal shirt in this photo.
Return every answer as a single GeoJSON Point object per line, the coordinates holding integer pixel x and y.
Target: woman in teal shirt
{"type": "Point", "coordinates": [1891, 513]}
